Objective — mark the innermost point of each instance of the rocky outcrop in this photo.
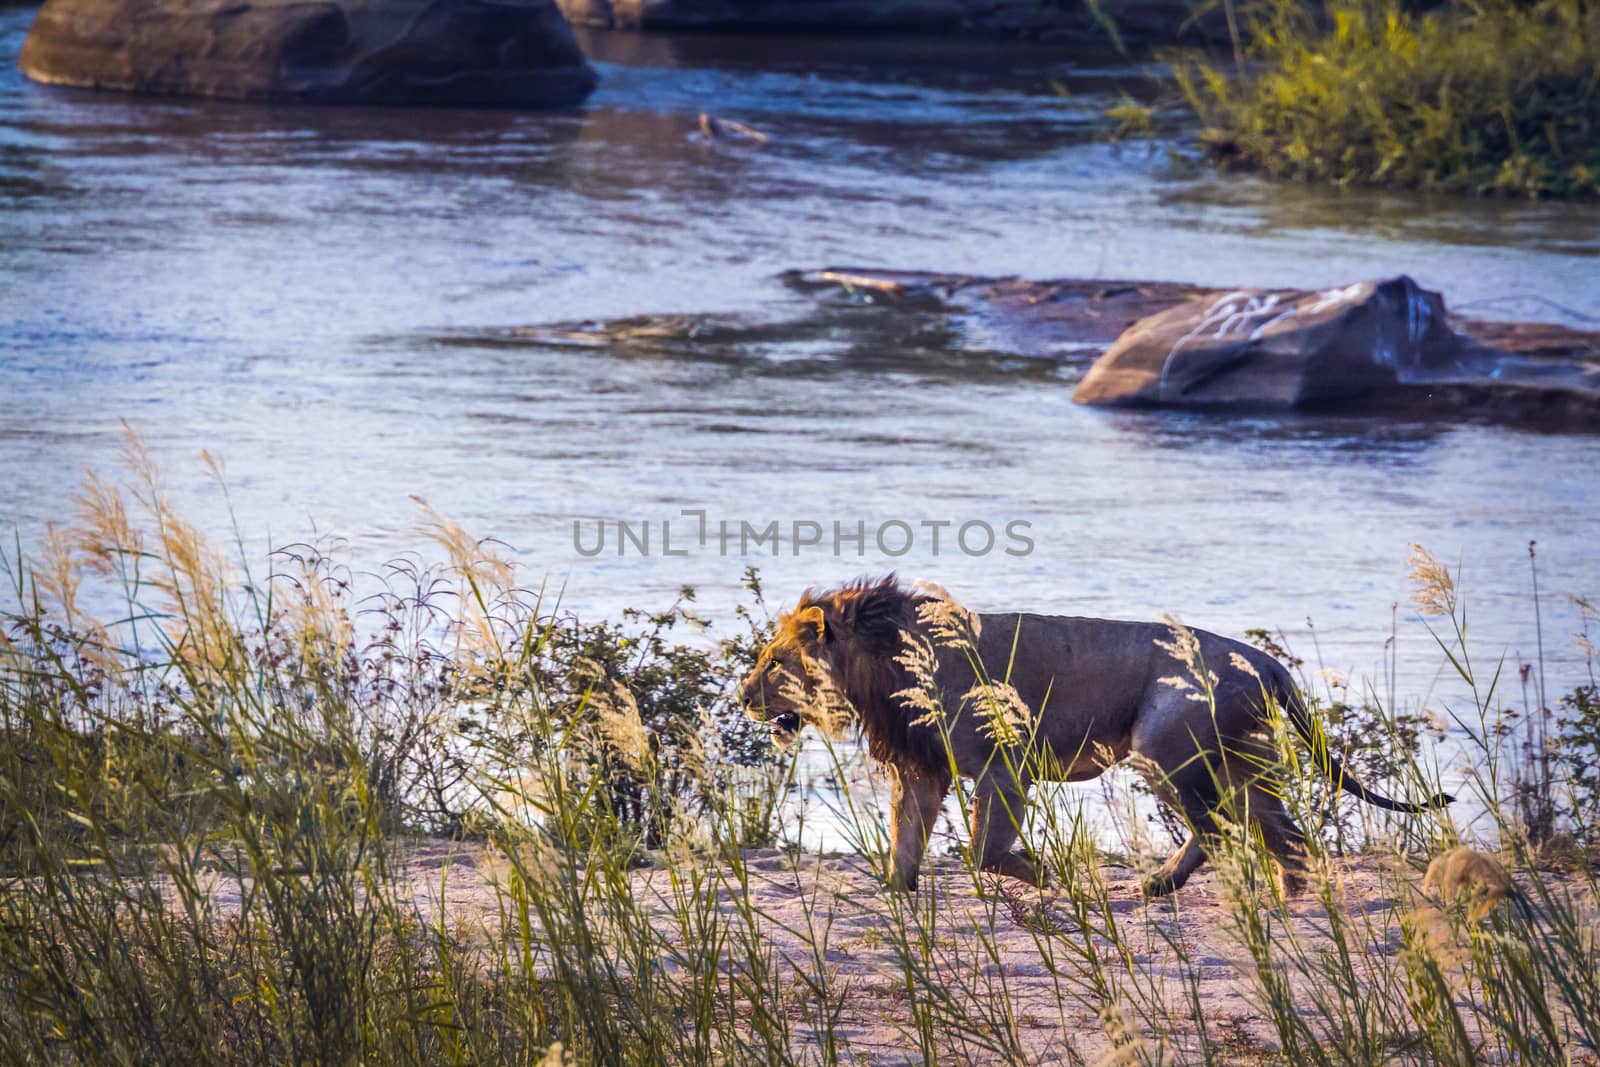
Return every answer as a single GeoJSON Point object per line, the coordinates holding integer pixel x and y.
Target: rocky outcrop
{"type": "Point", "coordinates": [1283, 348]}
{"type": "Point", "coordinates": [481, 53]}
{"type": "Point", "coordinates": [1138, 23]}
{"type": "Point", "coordinates": [1372, 347]}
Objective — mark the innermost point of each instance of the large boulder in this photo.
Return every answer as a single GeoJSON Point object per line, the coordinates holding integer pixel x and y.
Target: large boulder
{"type": "Point", "coordinates": [1287, 348]}
{"type": "Point", "coordinates": [484, 53]}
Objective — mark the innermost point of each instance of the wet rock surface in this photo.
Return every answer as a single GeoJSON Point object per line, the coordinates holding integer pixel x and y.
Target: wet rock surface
{"type": "Point", "coordinates": [1278, 348]}
{"type": "Point", "coordinates": [478, 53]}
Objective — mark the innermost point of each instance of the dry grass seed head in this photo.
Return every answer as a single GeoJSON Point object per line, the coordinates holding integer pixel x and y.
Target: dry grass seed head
{"type": "Point", "coordinates": [950, 623]}
{"type": "Point", "coordinates": [922, 696]}
{"type": "Point", "coordinates": [1334, 678]}
{"type": "Point", "coordinates": [1433, 591]}
{"type": "Point", "coordinates": [316, 617]}
{"type": "Point", "coordinates": [1185, 648]}
{"type": "Point", "coordinates": [822, 703]}
{"type": "Point", "coordinates": [193, 574]}
{"type": "Point", "coordinates": [485, 578]}
{"type": "Point", "coordinates": [104, 537]}
{"type": "Point", "coordinates": [620, 724]}
{"type": "Point", "coordinates": [59, 576]}
{"type": "Point", "coordinates": [470, 557]}
{"type": "Point", "coordinates": [1002, 714]}
{"type": "Point", "coordinates": [1587, 613]}
{"type": "Point", "coordinates": [1128, 1044]}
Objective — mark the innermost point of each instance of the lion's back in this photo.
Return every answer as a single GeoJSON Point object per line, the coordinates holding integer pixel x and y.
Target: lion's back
{"type": "Point", "coordinates": [1113, 662]}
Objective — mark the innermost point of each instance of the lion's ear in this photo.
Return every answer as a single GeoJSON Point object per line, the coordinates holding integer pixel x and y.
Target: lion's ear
{"type": "Point", "coordinates": [811, 619]}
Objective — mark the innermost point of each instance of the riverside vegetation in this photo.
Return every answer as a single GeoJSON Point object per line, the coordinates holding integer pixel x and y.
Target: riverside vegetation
{"type": "Point", "coordinates": [290, 738]}
{"type": "Point", "coordinates": [1479, 96]}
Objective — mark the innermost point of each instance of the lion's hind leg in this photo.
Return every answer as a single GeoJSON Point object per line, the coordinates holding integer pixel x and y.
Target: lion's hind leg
{"type": "Point", "coordinates": [1177, 868]}
{"type": "Point", "coordinates": [1196, 798]}
{"type": "Point", "coordinates": [1283, 838]}
{"type": "Point", "coordinates": [1201, 800]}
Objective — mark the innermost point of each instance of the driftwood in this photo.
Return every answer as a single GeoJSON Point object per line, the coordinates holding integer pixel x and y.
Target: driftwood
{"type": "Point", "coordinates": [715, 129]}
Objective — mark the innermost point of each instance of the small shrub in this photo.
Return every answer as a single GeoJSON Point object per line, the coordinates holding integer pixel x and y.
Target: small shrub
{"type": "Point", "coordinates": [1579, 754]}
{"type": "Point", "coordinates": [653, 725]}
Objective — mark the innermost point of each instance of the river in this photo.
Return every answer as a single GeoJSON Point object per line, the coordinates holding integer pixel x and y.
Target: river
{"type": "Point", "coordinates": [322, 297]}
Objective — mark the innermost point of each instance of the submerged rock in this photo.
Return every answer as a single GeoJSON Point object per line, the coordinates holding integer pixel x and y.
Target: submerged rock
{"type": "Point", "coordinates": [1386, 347]}
{"type": "Point", "coordinates": [485, 53]}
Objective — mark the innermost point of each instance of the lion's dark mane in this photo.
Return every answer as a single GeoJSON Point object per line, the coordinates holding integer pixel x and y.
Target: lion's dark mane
{"type": "Point", "coordinates": [866, 623]}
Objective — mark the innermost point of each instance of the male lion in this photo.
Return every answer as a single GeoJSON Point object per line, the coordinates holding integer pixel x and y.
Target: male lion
{"type": "Point", "coordinates": [1061, 698]}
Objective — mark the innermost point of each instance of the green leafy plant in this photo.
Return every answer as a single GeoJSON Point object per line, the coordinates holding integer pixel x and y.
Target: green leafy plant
{"type": "Point", "coordinates": [1480, 96]}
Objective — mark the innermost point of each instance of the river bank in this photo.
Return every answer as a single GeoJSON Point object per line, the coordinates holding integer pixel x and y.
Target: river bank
{"type": "Point", "coordinates": [227, 798]}
{"type": "Point", "coordinates": [974, 969]}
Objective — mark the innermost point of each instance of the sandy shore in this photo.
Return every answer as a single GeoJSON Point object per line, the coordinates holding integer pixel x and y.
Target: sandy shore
{"type": "Point", "coordinates": [1020, 957]}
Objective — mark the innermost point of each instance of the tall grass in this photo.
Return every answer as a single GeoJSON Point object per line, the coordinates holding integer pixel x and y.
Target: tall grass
{"type": "Point", "coordinates": [1481, 96]}
{"type": "Point", "coordinates": [209, 818]}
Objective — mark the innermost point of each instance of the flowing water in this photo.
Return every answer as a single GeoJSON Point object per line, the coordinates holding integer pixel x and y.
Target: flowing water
{"type": "Point", "coordinates": [324, 299]}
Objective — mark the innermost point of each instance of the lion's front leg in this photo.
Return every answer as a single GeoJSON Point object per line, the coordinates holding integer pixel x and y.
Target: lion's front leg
{"type": "Point", "coordinates": [916, 796]}
{"type": "Point", "coordinates": [997, 812]}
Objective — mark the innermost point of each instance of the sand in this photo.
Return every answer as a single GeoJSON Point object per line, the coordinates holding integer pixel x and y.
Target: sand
{"type": "Point", "coordinates": [1020, 963]}
{"type": "Point", "coordinates": [999, 941]}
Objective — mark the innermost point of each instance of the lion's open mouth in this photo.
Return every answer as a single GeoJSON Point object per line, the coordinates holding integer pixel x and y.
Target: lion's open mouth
{"type": "Point", "coordinates": [785, 725]}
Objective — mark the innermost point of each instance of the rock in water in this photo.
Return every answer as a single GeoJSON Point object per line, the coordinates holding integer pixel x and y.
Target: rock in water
{"type": "Point", "coordinates": [1278, 348]}
{"type": "Point", "coordinates": [1383, 347]}
{"type": "Point", "coordinates": [475, 53]}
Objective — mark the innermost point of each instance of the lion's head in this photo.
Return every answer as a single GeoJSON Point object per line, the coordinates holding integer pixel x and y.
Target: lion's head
{"type": "Point", "coordinates": [782, 689]}
{"type": "Point", "coordinates": [833, 660]}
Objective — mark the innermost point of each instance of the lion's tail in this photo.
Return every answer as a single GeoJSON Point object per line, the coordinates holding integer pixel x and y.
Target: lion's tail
{"type": "Point", "coordinates": [1316, 739]}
